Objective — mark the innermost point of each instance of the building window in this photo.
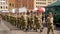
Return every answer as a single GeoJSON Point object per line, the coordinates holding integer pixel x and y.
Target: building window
{"type": "Point", "coordinates": [31, 6]}
{"type": "Point", "coordinates": [6, 7]}
{"type": "Point", "coordinates": [54, 0]}
{"type": "Point", "coordinates": [1, 7]}
{"type": "Point", "coordinates": [40, 2]}
{"type": "Point", "coordinates": [24, 5]}
{"type": "Point", "coordinates": [30, 0]}
{"type": "Point", "coordinates": [49, 2]}
{"type": "Point", "coordinates": [3, 2]}
{"type": "Point", "coordinates": [10, 4]}
{"type": "Point", "coordinates": [0, 2]}
{"type": "Point", "coordinates": [37, 6]}
{"type": "Point", "coordinates": [18, 0]}
{"type": "Point", "coordinates": [24, 0]}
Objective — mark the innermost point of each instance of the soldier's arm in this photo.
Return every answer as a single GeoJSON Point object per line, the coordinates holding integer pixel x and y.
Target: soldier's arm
{"type": "Point", "coordinates": [47, 21]}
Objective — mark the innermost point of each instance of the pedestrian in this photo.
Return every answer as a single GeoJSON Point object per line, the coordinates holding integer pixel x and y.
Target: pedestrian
{"type": "Point", "coordinates": [50, 23]}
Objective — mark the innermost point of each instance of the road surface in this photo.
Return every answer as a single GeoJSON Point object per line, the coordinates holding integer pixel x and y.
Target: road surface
{"type": "Point", "coordinates": [7, 28]}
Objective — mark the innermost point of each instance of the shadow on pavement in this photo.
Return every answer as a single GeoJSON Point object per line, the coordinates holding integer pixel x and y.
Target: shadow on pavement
{"type": "Point", "coordinates": [57, 28]}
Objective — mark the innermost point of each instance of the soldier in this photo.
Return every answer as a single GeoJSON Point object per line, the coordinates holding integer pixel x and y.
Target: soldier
{"type": "Point", "coordinates": [50, 23]}
{"type": "Point", "coordinates": [32, 20]}
{"type": "Point", "coordinates": [36, 25]}
{"type": "Point", "coordinates": [24, 20]}
{"type": "Point", "coordinates": [26, 23]}
{"type": "Point", "coordinates": [29, 20]}
{"type": "Point", "coordinates": [19, 21]}
{"type": "Point", "coordinates": [40, 22]}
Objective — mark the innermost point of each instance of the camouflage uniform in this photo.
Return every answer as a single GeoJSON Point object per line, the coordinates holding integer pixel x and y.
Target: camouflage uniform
{"type": "Point", "coordinates": [19, 22]}
{"type": "Point", "coordinates": [50, 24]}
{"type": "Point", "coordinates": [36, 25]}
{"type": "Point", "coordinates": [25, 17]}
{"type": "Point", "coordinates": [28, 20]}
{"type": "Point", "coordinates": [40, 23]}
{"type": "Point", "coordinates": [24, 21]}
{"type": "Point", "coordinates": [31, 21]}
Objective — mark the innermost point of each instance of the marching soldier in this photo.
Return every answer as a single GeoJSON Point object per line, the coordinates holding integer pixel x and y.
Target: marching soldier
{"type": "Point", "coordinates": [26, 23]}
{"type": "Point", "coordinates": [19, 21]}
{"type": "Point", "coordinates": [36, 25]}
{"type": "Point", "coordinates": [24, 20]}
{"type": "Point", "coordinates": [32, 20]}
{"type": "Point", "coordinates": [40, 22]}
{"type": "Point", "coordinates": [29, 20]}
{"type": "Point", "coordinates": [50, 23]}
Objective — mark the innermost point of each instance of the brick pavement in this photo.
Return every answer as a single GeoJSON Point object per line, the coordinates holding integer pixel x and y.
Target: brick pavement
{"type": "Point", "coordinates": [22, 32]}
{"type": "Point", "coordinates": [4, 29]}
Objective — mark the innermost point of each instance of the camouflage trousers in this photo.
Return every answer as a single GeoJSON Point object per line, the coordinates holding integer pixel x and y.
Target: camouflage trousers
{"type": "Point", "coordinates": [50, 28]}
